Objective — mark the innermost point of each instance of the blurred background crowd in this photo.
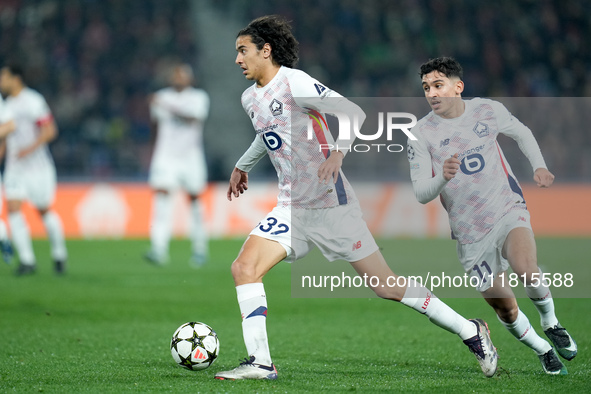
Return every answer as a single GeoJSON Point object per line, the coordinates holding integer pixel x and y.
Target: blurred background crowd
{"type": "Point", "coordinates": [97, 61]}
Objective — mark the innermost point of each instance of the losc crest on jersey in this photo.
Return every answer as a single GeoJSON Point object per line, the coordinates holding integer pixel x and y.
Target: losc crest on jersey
{"type": "Point", "coordinates": [276, 107]}
{"type": "Point", "coordinates": [481, 129]}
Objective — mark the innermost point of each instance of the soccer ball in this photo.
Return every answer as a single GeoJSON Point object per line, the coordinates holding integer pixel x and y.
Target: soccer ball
{"type": "Point", "coordinates": [194, 346]}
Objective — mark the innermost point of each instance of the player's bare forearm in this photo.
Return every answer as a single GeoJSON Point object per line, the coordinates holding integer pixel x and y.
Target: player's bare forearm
{"type": "Point", "coordinates": [543, 177]}
{"type": "Point", "coordinates": [238, 183]}
{"type": "Point", "coordinates": [329, 170]}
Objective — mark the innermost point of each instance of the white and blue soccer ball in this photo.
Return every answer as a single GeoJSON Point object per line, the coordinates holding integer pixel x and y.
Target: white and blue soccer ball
{"type": "Point", "coordinates": [194, 346]}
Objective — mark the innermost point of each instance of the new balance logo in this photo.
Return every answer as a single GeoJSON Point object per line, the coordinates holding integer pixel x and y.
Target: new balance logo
{"type": "Point", "coordinates": [356, 245]}
{"type": "Point", "coordinates": [444, 142]}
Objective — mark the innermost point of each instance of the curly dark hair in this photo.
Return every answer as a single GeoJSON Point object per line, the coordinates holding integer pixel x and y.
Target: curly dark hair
{"type": "Point", "coordinates": [447, 66]}
{"type": "Point", "coordinates": [15, 69]}
{"type": "Point", "coordinates": [276, 31]}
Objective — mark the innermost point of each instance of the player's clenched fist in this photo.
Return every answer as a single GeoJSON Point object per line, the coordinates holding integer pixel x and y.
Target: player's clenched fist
{"type": "Point", "coordinates": [543, 177]}
{"type": "Point", "coordinates": [451, 167]}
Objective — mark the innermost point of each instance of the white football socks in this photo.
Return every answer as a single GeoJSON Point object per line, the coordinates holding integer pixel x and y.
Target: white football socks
{"type": "Point", "coordinates": [422, 300]}
{"type": "Point", "coordinates": [55, 233]}
{"type": "Point", "coordinates": [161, 226]}
{"type": "Point", "coordinates": [253, 307]}
{"type": "Point", "coordinates": [541, 296]}
{"type": "Point", "coordinates": [21, 238]}
{"type": "Point", "coordinates": [525, 333]}
{"type": "Point", "coordinates": [198, 233]}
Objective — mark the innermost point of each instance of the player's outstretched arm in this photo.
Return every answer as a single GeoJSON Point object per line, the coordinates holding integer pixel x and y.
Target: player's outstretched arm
{"type": "Point", "coordinates": [543, 177]}
{"type": "Point", "coordinates": [238, 183]}
{"type": "Point", "coordinates": [239, 176]}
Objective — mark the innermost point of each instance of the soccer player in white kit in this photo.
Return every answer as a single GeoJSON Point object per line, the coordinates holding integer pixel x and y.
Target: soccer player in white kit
{"type": "Point", "coordinates": [178, 161]}
{"type": "Point", "coordinates": [30, 172]}
{"type": "Point", "coordinates": [6, 127]}
{"type": "Point", "coordinates": [316, 205]}
{"type": "Point", "coordinates": [456, 156]}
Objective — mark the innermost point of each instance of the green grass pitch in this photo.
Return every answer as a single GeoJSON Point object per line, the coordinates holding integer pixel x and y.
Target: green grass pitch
{"type": "Point", "coordinates": [106, 327]}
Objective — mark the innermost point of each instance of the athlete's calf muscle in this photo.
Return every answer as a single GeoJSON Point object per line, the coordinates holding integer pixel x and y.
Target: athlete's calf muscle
{"type": "Point", "coordinates": [375, 265]}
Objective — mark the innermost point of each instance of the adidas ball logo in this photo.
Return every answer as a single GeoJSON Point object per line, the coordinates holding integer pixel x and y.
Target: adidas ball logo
{"type": "Point", "coordinates": [199, 355]}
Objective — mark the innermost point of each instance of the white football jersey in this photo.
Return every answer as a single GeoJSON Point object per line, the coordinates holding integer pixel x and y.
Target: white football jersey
{"type": "Point", "coordinates": [29, 111]}
{"type": "Point", "coordinates": [485, 189]}
{"type": "Point", "coordinates": [5, 115]}
{"type": "Point", "coordinates": [280, 112]}
{"type": "Point", "coordinates": [177, 137]}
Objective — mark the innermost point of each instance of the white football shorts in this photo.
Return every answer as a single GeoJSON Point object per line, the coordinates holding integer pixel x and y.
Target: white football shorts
{"type": "Point", "coordinates": [189, 174]}
{"type": "Point", "coordinates": [339, 232]}
{"type": "Point", "coordinates": [483, 258]}
{"type": "Point", "coordinates": [37, 187]}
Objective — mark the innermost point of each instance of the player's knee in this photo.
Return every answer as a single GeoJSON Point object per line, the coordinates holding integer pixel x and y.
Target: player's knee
{"type": "Point", "coordinates": [508, 313]}
{"type": "Point", "coordinates": [243, 270]}
{"type": "Point", "coordinates": [525, 265]}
